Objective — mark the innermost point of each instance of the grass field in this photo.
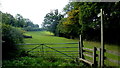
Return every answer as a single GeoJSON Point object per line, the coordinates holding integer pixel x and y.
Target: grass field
{"type": "Point", "coordinates": [47, 37]}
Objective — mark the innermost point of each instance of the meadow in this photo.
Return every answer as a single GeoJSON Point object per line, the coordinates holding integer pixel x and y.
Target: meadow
{"type": "Point", "coordinates": [50, 57]}
{"type": "Point", "coordinates": [48, 37]}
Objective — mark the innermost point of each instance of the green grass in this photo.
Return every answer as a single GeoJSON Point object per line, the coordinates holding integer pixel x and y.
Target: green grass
{"type": "Point", "coordinates": [47, 37]}
{"type": "Point", "coordinates": [40, 62]}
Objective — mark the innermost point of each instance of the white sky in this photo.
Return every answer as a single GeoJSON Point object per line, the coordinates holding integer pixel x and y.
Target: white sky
{"type": "Point", "coordinates": [35, 10]}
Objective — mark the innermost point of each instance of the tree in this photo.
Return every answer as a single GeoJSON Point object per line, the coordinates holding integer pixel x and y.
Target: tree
{"type": "Point", "coordinates": [51, 21]}
{"type": "Point", "coordinates": [91, 23]}
{"type": "Point", "coordinates": [10, 37]}
{"type": "Point", "coordinates": [28, 23]}
{"type": "Point", "coordinates": [20, 20]}
{"type": "Point", "coordinates": [8, 19]}
{"type": "Point", "coordinates": [81, 18]}
{"type": "Point", "coordinates": [70, 25]}
{"type": "Point", "coordinates": [36, 25]}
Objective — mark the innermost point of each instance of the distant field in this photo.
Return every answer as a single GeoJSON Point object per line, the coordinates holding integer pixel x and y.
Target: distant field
{"type": "Point", "coordinates": [47, 37]}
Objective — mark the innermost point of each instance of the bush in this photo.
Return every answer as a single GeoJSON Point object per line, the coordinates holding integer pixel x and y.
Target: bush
{"type": "Point", "coordinates": [10, 37]}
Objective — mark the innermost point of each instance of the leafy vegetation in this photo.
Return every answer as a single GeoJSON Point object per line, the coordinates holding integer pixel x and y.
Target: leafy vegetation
{"type": "Point", "coordinates": [12, 33]}
{"type": "Point", "coordinates": [10, 37]}
{"type": "Point", "coordinates": [41, 62]}
{"type": "Point", "coordinates": [77, 18]}
{"type": "Point", "coordinates": [51, 21]}
{"type": "Point", "coordinates": [19, 21]}
{"type": "Point", "coordinates": [82, 18]}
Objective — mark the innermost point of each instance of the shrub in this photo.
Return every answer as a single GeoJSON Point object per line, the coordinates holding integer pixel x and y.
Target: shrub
{"type": "Point", "coordinates": [10, 37]}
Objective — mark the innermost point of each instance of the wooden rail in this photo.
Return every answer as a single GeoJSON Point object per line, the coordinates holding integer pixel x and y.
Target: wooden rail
{"type": "Point", "coordinates": [115, 61]}
{"type": "Point", "coordinates": [87, 55]}
{"type": "Point", "coordinates": [46, 47]}
{"type": "Point", "coordinates": [45, 43]}
{"type": "Point", "coordinates": [112, 52]}
{"type": "Point", "coordinates": [86, 61]}
{"type": "Point", "coordinates": [54, 51]}
{"type": "Point", "coordinates": [60, 52]}
{"type": "Point", "coordinates": [88, 49]}
{"type": "Point", "coordinates": [81, 52]}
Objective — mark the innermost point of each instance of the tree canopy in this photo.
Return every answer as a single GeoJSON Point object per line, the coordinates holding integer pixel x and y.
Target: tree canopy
{"type": "Point", "coordinates": [19, 21]}
{"type": "Point", "coordinates": [51, 21]}
{"type": "Point", "coordinates": [82, 18]}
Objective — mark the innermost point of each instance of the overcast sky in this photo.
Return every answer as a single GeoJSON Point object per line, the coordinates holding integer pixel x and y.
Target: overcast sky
{"type": "Point", "coordinates": [35, 10]}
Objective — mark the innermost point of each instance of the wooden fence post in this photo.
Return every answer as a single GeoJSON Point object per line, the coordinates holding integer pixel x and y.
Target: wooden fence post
{"type": "Point", "coordinates": [102, 44]}
{"type": "Point", "coordinates": [79, 54]}
{"type": "Point", "coordinates": [99, 58]}
{"type": "Point", "coordinates": [94, 56]}
{"type": "Point", "coordinates": [81, 47]}
{"type": "Point", "coordinates": [42, 50]}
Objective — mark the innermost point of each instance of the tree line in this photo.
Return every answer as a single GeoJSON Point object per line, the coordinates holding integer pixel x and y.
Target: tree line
{"type": "Point", "coordinates": [82, 18]}
{"type": "Point", "coordinates": [19, 21]}
{"type": "Point", "coordinates": [12, 30]}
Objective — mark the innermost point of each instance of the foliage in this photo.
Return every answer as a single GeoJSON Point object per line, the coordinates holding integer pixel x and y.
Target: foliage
{"type": "Point", "coordinates": [82, 18]}
{"type": "Point", "coordinates": [41, 62]}
{"type": "Point", "coordinates": [10, 37]}
{"type": "Point", "coordinates": [8, 19]}
{"type": "Point", "coordinates": [51, 21]}
{"type": "Point", "coordinates": [67, 25]}
{"type": "Point", "coordinates": [29, 28]}
{"type": "Point", "coordinates": [17, 21]}
{"type": "Point", "coordinates": [91, 23]}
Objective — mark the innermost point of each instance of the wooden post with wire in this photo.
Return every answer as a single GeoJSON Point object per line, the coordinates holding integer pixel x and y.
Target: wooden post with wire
{"type": "Point", "coordinates": [102, 44]}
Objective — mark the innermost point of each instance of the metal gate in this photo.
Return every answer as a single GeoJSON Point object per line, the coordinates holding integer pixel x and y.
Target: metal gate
{"type": "Point", "coordinates": [61, 50]}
